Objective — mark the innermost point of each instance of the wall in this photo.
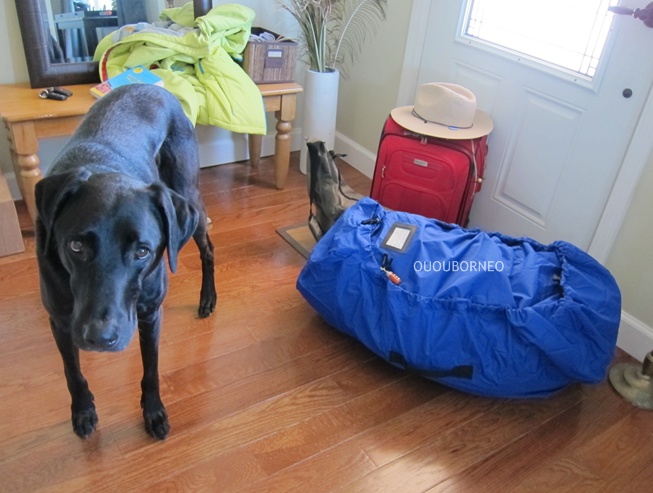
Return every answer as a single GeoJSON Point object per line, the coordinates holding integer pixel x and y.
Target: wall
{"type": "Point", "coordinates": [630, 262]}
{"type": "Point", "coordinates": [14, 70]}
{"type": "Point", "coordinates": [370, 90]}
{"type": "Point", "coordinates": [11, 47]}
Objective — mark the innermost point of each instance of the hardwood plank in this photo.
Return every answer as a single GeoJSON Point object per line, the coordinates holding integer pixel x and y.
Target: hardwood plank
{"type": "Point", "coordinates": [304, 438]}
{"type": "Point", "coordinates": [577, 466]}
{"type": "Point", "coordinates": [206, 408]}
{"type": "Point", "coordinates": [251, 360]}
{"type": "Point", "coordinates": [464, 441]}
{"type": "Point", "coordinates": [513, 467]}
{"type": "Point", "coordinates": [210, 427]}
{"type": "Point", "coordinates": [321, 432]}
{"type": "Point", "coordinates": [224, 472]}
{"type": "Point", "coordinates": [320, 474]}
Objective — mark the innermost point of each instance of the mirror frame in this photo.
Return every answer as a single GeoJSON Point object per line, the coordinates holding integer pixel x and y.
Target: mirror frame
{"type": "Point", "coordinates": [41, 72]}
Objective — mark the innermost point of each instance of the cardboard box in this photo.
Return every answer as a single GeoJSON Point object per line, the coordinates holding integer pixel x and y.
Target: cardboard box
{"type": "Point", "coordinates": [269, 62]}
{"type": "Point", "coordinates": [11, 239]}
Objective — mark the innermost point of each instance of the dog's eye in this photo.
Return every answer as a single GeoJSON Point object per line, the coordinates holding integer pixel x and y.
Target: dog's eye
{"type": "Point", "coordinates": [142, 253]}
{"type": "Point", "coordinates": [76, 246]}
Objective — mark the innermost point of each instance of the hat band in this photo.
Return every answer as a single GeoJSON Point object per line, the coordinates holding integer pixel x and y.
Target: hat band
{"type": "Point", "coordinates": [417, 115]}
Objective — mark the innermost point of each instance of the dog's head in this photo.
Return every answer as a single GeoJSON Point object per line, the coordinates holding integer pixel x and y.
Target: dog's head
{"type": "Point", "coordinates": [100, 243]}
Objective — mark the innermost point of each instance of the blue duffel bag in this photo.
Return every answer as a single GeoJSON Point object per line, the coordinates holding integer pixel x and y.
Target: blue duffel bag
{"type": "Point", "coordinates": [480, 312]}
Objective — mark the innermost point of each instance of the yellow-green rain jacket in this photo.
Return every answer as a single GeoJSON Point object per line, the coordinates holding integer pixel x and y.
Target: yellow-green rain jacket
{"type": "Point", "coordinates": [196, 65]}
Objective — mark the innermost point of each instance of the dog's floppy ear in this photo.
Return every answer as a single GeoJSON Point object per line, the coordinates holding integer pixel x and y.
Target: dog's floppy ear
{"type": "Point", "coordinates": [179, 219]}
{"type": "Point", "coordinates": [51, 194]}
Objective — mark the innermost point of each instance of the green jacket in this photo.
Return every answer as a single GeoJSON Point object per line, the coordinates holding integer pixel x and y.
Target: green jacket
{"type": "Point", "coordinates": [196, 65]}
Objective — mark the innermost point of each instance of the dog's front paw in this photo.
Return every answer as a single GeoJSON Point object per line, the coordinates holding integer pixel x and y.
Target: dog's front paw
{"type": "Point", "coordinates": [207, 304]}
{"type": "Point", "coordinates": [206, 308]}
{"type": "Point", "coordinates": [84, 422]}
{"type": "Point", "coordinates": [156, 423]}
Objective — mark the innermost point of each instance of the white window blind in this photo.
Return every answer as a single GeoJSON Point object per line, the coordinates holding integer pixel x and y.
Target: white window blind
{"type": "Point", "coordinates": [568, 34]}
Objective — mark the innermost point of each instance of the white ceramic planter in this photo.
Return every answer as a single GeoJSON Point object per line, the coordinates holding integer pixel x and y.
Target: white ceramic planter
{"type": "Point", "coordinates": [320, 109]}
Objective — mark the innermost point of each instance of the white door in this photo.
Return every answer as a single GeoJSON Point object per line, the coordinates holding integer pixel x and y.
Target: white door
{"type": "Point", "coordinates": [558, 143]}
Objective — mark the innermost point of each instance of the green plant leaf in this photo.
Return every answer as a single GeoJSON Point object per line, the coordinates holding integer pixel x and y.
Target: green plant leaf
{"type": "Point", "coordinates": [334, 31]}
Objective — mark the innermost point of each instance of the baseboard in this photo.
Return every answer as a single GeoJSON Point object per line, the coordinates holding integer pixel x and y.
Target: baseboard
{"type": "Point", "coordinates": [357, 156]}
{"type": "Point", "coordinates": [221, 148]}
{"type": "Point", "coordinates": [231, 148]}
{"type": "Point", "coordinates": [635, 337]}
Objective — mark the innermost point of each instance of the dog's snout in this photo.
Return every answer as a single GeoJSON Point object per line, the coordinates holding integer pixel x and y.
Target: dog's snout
{"type": "Point", "coordinates": [99, 336]}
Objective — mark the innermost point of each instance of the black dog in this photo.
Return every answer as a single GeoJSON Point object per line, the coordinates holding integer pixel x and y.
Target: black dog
{"type": "Point", "coordinates": [122, 190]}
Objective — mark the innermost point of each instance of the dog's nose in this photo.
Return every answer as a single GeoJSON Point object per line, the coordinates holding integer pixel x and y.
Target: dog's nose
{"type": "Point", "coordinates": [98, 337]}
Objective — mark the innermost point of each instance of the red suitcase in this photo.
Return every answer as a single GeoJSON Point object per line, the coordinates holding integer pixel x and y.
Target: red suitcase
{"type": "Point", "coordinates": [433, 177]}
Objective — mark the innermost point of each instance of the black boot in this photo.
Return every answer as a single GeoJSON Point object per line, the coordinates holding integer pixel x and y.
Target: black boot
{"type": "Point", "coordinates": [330, 196]}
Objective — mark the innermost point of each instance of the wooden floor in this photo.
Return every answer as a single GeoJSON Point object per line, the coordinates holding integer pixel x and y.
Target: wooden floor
{"type": "Point", "coordinates": [264, 396]}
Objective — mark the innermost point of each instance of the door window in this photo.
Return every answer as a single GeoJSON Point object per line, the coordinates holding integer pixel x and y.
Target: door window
{"type": "Point", "coordinates": [568, 35]}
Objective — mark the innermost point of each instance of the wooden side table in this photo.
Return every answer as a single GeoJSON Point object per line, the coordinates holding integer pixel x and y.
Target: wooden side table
{"type": "Point", "coordinates": [282, 99]}
{"type": "Point", "coordinates": [29, 118]}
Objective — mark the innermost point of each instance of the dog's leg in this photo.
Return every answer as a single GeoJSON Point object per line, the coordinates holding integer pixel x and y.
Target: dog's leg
{"type": "Point", "coordinates": [84, 417]}
{"type": "Point", "coordinates": [178, 169]}
{"type": "Point", "coordinates": [208, 296]}
{"type": "Point", "coordinates": [154, 412]}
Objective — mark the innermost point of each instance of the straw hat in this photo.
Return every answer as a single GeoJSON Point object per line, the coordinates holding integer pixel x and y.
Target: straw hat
{"type": "Point", "coordinates": [444, 110]}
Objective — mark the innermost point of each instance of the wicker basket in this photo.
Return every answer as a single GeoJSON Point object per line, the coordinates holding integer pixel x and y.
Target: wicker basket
{"type": "Point", "coordinates": [270, 62]}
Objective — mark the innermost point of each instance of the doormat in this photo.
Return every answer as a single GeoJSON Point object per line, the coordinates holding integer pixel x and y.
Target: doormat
{"type": "Point", "coordinates": [299, 237]}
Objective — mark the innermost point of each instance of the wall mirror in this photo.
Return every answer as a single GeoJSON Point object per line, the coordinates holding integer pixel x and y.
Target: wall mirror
{"type": "Point", "coordinates": [59, 36]}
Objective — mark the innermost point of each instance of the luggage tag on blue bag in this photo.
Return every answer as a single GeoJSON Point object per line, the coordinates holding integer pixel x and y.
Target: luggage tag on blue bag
{"type": "Point", "coordinates": [399, 237]}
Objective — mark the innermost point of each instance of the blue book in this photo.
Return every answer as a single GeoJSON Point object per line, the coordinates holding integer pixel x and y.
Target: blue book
{"type": "Point", "coordinates": [135, 75]}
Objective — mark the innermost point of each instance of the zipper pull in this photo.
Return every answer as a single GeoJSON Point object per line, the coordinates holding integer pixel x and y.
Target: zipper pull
{"type": "Point", "coordinates": [392, 277]}
{"type": "Point", "coordinates": [385, 267]}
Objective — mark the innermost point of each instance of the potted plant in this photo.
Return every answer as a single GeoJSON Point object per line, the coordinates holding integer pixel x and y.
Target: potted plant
{"type": "Point", "coordinates": [332, 33]}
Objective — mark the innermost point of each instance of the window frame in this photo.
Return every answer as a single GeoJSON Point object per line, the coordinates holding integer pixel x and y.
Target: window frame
{"type": "Point", "coordinates": [558, 71]}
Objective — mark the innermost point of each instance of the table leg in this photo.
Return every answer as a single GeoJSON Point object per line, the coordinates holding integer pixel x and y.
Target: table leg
{"type": "Point", "coordinates": [255, 144]}
{"type": "Point", "coordinates": [281, 151]}
{"type": "Point", "coordinates": [24, 145]}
